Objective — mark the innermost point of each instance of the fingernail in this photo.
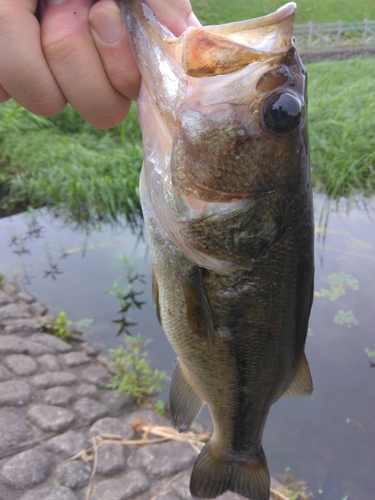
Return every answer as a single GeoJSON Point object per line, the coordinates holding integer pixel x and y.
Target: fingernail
{"type": "Point", "coordinates": [107, 24]}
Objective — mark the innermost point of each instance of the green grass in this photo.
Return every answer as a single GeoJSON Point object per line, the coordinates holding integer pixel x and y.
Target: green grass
{"type": "Point", "coordinates": [342, 126]}
{"type": "Point", "coordinates": [91, 175]}
{"type": "Point", "coordinates": [319, 11]}
{"type": "Point", "coordinates": [62, 162]}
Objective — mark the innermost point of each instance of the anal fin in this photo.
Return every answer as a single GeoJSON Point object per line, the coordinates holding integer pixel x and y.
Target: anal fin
{"type": "Point", "coordinates": [184, 402]}
{"type": "Point", "coordinates": [213, 474]}
{"type": "Point", "coordinates": [302, 384]}
{"type": "Point", "coordinates": [198, 310]}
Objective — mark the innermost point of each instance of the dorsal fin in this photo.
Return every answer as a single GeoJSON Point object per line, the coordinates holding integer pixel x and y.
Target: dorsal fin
{"type": "Point", "coordinates": [302, 383]}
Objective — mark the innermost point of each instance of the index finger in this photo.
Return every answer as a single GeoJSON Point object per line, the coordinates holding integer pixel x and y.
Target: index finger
{"type": "Point", "coordinates": [24, 72]}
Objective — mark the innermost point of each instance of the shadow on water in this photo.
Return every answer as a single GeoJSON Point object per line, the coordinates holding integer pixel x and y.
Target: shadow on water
{"type": "Point", "coordinates": [327, 439]}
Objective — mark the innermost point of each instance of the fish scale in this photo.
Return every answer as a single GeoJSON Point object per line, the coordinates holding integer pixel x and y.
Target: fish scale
{"type": "Point", "coordinates": [226, 198]}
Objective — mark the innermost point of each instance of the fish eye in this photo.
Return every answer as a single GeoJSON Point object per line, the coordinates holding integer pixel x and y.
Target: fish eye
{"type": "Point", "coordinates": [282, 113]}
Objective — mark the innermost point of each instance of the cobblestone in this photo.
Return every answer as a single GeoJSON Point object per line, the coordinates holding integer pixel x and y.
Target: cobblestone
{"type": "Point", "coordinates": [91, 349]}
{"type": "Point", "coordinates": [4, 374]}
{"type": "Point", "coordinates": [51, 341]}
{"type": "Point", "coordinates": [49, 362]}
{"type": "Point", "coordinates": [89, 390]}
{"type": "Point", "coordinates": [122, 488]}
{"type": "Point", "coordinates": [26, 297]}
{"type": "Point", "coordinates": [111, 426]}
{"type": "Point", "coordinates": [50, 493]}
{"type": "Point", "coordinates": [96, 375]}
{"type": "Point", "coordinates": [90, 410]}
{"type": "Point", "coordinates": [67, 444]}
{"type": "Point", "coordinates": [15, 432]}
{"type": "Point", "coordinates": [16, 345]}
{"type": "Point", "coordinates": [14, 393]}
{"type": "Point", "coordinates": [60, 396]}
{"type": "Point", "coordinates": [116, 400]}
{"type": "Point", "coordinates": [26, 469]}
{"type": "Point", "coordinates": [4, 299]}
{"type": "Point", "coordinates": [164, 459]}
{"type": "Point", "coordinates": [75, 358]}
{"type": "Point", "coordinates": [22, 327]}
{"type": "Point", "coordinates": [13, 311]}
{"type": "Point", "coordinates": [37, 309]}
{"type": "Point", "coordinates": [73, 474]}
{"type": "Point", "coordinates": [111, 459]}
{"type": "Point", "coordinates": [21, 364]}
{"type": "Point", "coordinates": [50, 418]}
{"type": "Point", "coordinates": [47, 380]}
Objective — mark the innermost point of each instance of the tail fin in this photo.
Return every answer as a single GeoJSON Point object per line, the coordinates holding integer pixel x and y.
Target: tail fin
{"type": "Point", "coordinates": [213, 475]}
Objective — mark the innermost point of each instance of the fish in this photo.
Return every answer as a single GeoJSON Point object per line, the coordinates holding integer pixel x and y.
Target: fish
{"type": "Point", "coordinates": [227, 203]}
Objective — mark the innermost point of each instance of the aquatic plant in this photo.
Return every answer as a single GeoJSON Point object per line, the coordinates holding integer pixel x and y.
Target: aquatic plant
{"type": "Point", "coordinates": [371, 354]}
{"type": "Point", "coordinates": [133, 373]}
{"type": "Point", "coordinates": [339, 283]}
{"type": "Point", "coordinates": [345, 318]}
{"type": "Point", "coordinates": [126, 293]}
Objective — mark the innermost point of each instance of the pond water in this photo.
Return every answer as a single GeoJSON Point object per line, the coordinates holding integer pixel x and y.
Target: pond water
{"type": "Point", "coordinates": [327, 439]}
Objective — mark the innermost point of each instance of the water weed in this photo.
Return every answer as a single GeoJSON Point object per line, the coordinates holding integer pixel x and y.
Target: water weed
{"type": "Point", "coordinates": [339, 283]}
{"type": "Point", "coordinates": [124, 288]}
{"type": "Point", "coordinates": [346, 318]}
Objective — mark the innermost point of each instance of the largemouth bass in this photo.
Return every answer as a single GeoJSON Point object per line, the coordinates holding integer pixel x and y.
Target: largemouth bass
{"type": "Point", "coordinates": [227, 203]}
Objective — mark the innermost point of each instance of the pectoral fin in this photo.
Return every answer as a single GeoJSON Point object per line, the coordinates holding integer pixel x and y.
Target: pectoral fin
{"type": "Point", "coordinates": [184, 402]}
{"type": "Point", "coordinates": [302, 384]}
{"type": "Point", "coordinates": [155, 295]}
{"type": "Point", "coordinates": [198, 308]}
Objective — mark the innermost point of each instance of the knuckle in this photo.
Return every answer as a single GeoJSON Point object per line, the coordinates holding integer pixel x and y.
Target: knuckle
{"type": "Point", "coordinates": [60, 46]}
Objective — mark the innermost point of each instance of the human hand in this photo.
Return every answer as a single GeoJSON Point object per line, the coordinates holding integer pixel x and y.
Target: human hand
{"type": "Point", "coordinates": [79, 53]}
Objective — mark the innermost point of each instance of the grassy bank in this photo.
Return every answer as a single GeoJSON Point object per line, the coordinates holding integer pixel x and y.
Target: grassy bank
{"type": "Point", "coordinates": [342, 126]}
{"type": "Point", "coordinates": [62, 162]}
{"type": "Point", "coordinates": [319, 11]}
{"type": "Point", "coordinates": [90, 175]}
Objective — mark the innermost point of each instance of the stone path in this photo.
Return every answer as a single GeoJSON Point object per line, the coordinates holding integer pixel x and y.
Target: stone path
{"type": "Point", "coordinates": [53, 400]}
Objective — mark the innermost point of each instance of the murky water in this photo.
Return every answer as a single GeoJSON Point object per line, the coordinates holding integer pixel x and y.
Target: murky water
{"type": "Point", "coordinates": [328, 439]}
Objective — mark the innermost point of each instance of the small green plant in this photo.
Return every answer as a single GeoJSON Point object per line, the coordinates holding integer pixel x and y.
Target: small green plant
{"type": "Point", "coordinates": [134, 376]}
{"type": "Point", "coordinates": [160, 407]}
{"type": "Point", "coordinates": [345, 318]}
{"type": "Point", "coordinates": [59, 326]}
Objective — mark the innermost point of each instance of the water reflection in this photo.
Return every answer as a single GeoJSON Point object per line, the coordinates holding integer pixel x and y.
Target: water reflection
{"type": "Point", "coordinates": [327, 439]}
